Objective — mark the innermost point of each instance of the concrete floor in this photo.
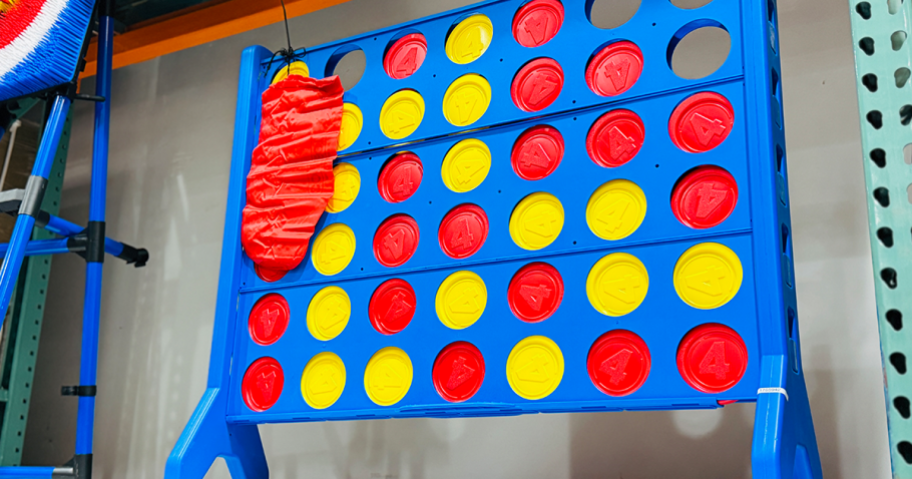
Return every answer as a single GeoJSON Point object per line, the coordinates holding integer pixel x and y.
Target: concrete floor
{"type": "Point", "coordinates": [170, 149]}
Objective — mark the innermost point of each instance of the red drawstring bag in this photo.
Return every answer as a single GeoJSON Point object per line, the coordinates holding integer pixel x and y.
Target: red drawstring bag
{"type": "Point", "coordinates": [291, 178]}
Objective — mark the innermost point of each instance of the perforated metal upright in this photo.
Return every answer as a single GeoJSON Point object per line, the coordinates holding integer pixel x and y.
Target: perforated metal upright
{"type": "Point", "coordinates": [883, 59]}
{"type": "Point", "coordinates": [23, 331]}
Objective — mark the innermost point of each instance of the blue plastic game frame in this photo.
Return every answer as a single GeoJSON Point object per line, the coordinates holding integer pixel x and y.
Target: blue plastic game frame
{"type": "Point", "coordinates": [763, 312]}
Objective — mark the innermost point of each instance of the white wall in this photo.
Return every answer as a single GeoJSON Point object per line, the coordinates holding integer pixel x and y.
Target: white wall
{"type": "Point", "coordinates": [170, 150]}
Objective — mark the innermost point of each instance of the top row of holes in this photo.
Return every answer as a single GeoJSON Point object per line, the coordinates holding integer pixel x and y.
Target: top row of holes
{"type": "Point", "coordinates": [350, 65]}
{"type": "Point", "coordinates": [614, 13]}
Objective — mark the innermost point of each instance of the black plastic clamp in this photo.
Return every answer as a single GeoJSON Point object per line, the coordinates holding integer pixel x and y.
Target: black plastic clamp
{"type": "Point", "coordinates": [82, 391]}
{"type": "Point", "coordinates": [95, 238]}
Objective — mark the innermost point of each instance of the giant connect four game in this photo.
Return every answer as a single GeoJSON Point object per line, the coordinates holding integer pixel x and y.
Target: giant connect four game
{"type": "Point", "coordinates": [530, 215]}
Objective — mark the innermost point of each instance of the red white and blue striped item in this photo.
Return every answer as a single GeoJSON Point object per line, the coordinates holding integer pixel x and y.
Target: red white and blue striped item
{"type": "Point", "coordinates": [40, 43]}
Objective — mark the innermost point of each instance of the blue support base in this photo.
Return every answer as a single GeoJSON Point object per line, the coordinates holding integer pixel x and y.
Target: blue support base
{"type": "Point", "coordinates": [785, 445]}
{"type": "Point", "coordinates": [208, 436]}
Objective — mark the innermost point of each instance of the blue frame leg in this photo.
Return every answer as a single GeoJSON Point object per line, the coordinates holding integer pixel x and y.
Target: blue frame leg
{"type": "Point", "coordinates": [785, 445]}
{"type": "Point", "coordinates": [207, 436]}
{"type": "Point", "coordinates": [22, 232]}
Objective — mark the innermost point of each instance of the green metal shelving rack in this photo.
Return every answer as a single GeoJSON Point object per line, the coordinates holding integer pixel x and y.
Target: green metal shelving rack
{"type": "Point", "coordinates": [883, 61]}
{"type": "Point", "coordinates": [21, 338]}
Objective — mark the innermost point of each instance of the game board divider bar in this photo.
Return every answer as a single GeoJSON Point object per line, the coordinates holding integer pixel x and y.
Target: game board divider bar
{"type": "Point", "coordinates": [491, 261]}
{"type": "Point", "coordinates": [544, 118]}
{"type": "Point", "coordinates": [507, 409]}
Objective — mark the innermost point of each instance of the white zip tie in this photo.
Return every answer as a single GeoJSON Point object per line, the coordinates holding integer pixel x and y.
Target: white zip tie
{"type": "Point", "coordinates": [773, 391]}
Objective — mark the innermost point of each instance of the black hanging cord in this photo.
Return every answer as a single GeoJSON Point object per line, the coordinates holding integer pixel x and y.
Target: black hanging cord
{"type": "Point", "coordinates": [287, 33]}
{"type": "Point", "coordinates": [287, 54]}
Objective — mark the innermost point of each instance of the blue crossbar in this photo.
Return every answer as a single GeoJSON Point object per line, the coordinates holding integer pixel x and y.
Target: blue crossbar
{"type": "Point", "coordinates": [27, 471]}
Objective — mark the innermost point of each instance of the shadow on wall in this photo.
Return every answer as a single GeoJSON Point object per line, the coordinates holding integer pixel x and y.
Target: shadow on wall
{"type": "Point", "coordinates": [683, 444]}
{"type": "Point", "coordinates": [697, 444]}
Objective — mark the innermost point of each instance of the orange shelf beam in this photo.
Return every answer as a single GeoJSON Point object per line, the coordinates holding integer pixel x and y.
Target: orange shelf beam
{"type": "Point", "coordinates": [195, 26]}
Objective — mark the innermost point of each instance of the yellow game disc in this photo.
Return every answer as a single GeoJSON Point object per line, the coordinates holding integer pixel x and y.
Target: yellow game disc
{"type": "Point", "coordinates": [708, 275]}
{"type": "Point", "coordinates": [536, 221]}
{"type": "Point", "coordinates": [328, 313]}
{"type": "Point", "coordinates": [470, 39]}
{"type": "Point", "coordinates": [352, 122]}
{"type": "Point", "coordinates": [346, 187]}
{"type": "Point", "coordinates": [323, 380]}
{"type": "Point", "coordinates": [296, 68]}
{"type": "Point", "coordinates": [461, 299]}
{"type": "Point", "coordinates": [466, 165]}
{"type": "Point", "coordinates": [388, 376]}
{"type": "Point", "coordinates": [617, 284]}
{"type": "Point", "coordinates": [333, 249]}
{"type": "Point", "coordinates": [535, 367]}
{"type": "Point", "coordinates": [401, 114]}
{"type": "Point", "coordinates": [616, 210]}
{"type": "Point", "coordinates": [466, 99]}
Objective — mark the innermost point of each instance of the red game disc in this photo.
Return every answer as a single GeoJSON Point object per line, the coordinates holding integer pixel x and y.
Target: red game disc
{"type": "Point", "coordinates": [392, 306]}
{"type": "Point", "coordinates": [262, 384]}
{"type": "Point", "coordinates": [458, 371]}
{"type": "Point", "coordinates": [405, 56]}
{"type": "Point", "coordinates": [537, 84]}
{"type": "Point", "coordinates": [615, 69]}
{"type": "Point", "coordinates": [400, 177]}
{"type": "Point", "coordinates": [269, 275]}
{"type": "Point", "coordinates": [712, 358]}
{"type": "Point", "coordinates": [396, 240]}
{"type": "Point", "coordinates": [618, 363]}
{"type": "Point", "coordinates": [615, 138]}
{"type": "Point", "coordinates": [268, 319]}
{"type": "Point", "coordinates": [701, 122]}
{"type": "Point", "coordinates": [704, 197]}
{"type": "Point", "coordinates": [463, 231]}
{"type": "Point", "coordinates": [535, 292]}
{"type": "Point", "coordinates": [537, 152]}
{"type": "Point", "coordinates": [537, 22]}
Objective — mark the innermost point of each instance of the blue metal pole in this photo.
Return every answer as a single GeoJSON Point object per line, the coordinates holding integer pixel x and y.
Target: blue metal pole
{"type": "Point", "coordinates": [92, 305]}
{"type": "Point", "coordinates": [26, 471]}
{"type": "Point", "coordinates": [40, 247]}
{"type": "Point", "coordinates": [34, 192]}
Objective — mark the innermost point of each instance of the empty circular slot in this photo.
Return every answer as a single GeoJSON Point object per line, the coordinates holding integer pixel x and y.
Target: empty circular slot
{"type": "Point", "coordinates": [690, 4]}
{"type": "Point", "coordinates": [348, 63]}
{"type": "Point", "coordinates": [698, 49]}
{"type": "Point", "coordinates": [611, 13]}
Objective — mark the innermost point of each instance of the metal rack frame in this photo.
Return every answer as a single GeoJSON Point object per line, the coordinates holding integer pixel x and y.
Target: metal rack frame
{"type": "Point", "coordinates": [883, 59]}
{"type": "Point", "coordinates": [27, 315]}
